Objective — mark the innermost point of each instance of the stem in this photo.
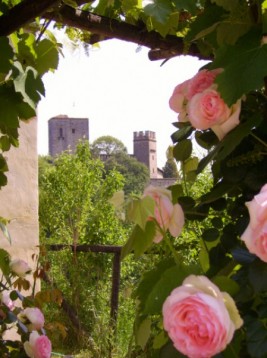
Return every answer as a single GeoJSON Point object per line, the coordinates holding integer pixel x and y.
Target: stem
{"type": "Point", "coordinates": [258, 139]}
{"type": "Point", "coordinates": [184, 180]}
{"type": "Point", "coordinates": [176, 256]}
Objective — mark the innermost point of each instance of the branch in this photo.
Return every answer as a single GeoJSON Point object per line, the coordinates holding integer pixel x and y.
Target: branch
{"type": "Point", "coordinates": [23, 13]}
{"type": "Point", "coordinates": [103, 28]}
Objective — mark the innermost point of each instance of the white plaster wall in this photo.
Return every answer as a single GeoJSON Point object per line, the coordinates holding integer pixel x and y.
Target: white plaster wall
{"type": "Point", "coordinates": [19, 198]}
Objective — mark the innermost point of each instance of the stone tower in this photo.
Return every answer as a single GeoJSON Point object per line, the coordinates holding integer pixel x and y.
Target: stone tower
{"type": "Point", "coordinates": [145, 150]}
{"type": "Point", "coordinates": [64, 133]}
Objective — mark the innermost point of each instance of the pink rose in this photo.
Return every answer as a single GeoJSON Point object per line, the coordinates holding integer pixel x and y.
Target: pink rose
{"type": "Point", "coordinates": [208, 110]}
{"type": "Point", "coordinates": [178, 99]}
{"type": "Point", "coordinates": [38, 346]}
{"type": "Point", "coordinates": [201, 81]}
{"type": "Point", "coordinates": [255, 235]}
{"type": "Point", "coordinates": [199, 318]}
{"type": "Point", "coordinates": [32, 317]}
{"type": "Point", "coordinates": [19, 267]}
{"type": "Point", "coordinates": [168, 216]}
{"type": "Point", "coordinates": [198, 102]}
{"type": "Point", "coordinates": [6, 300]}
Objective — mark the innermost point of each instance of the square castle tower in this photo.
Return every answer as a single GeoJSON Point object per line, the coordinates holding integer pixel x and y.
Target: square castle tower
{"type": "Point", "coordinates": [64, 133]}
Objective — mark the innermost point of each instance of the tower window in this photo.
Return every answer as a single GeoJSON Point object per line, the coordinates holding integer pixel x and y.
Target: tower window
{"type": "Point", "coordinates": [60, 133]}
{"type": "Point", "coordinates": [73, 130]}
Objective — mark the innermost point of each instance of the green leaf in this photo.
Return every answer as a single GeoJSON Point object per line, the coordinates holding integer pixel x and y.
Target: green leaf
{"type": "Point", "coordinates": [117, 199]}
{"type": "Point", "coordinates": [226, 284]}
{"type": "Point", "coordinates": [206, 21]}
{"type": "Point", "coordinates": [28, 83]}
{"type": "Point", "coordinates": [177, 191]}
{"type": "Point", "coordinates": [211, 234]}
{"type": "Point", "coordinates": [140, 210]}
{"type": "Point", "coordinates": [5, 143]}
{"type": "Point", "coordinates": [256, 338]}
{"type": "Point", "coordinates": [158, 284]}
{"type": "Point", "coordinates": [47, 56]}
{"type": "Point", "coordinates": [4, 262]}
{"type": "Point", "coordinates": [216, 192]}
{"type": "Point", "coordinates": [228, 5]}
{"type": "Point", "coordinates": [160, 10]}
{"type": "Point", "coordinates": [182, 150]}
{"type": "Point", "coordinates": [186, 202]}
{"type": "Point", "coordinates": [244, 67]}
{"type": "Point", "coordinates": [183, 133]}
{"type": "Point", "coordinates": [168, 351]}
{"type": "Point", "coordinates": [190, 164]}
{"type": "Point", "coordinates": [143, 332]}
{"type": "Point", "coordinates": [258, 276]}
{"type": "Point", "coordinates": [160, 340]}
{"type": "Point", "coordinates": [204, 259]}
{"type": "Point", "coordinates": [6, 54]}
{"type": "Point", "coordinates": [233, 138]}
{"type": "Point", "coordinates": [206, 139]}
{"type": "Point", "coordinates": [229, 32]}
{"type": "Point", "coordinates": [5, 231]}
{"type": "Point", "coordinates": [140, 240]}
{"type": "Point", "coordinates": [189, 5]}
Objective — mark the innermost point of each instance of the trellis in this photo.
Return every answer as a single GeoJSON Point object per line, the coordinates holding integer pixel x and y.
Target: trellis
{"type": "Point", "coordinates": [116, 269]}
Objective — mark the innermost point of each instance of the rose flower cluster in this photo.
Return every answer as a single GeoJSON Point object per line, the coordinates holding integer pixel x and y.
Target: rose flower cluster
{"type": "Point", "coordinates": [199, 318]}
{"type": "Point", "coordinates": [38, 344]}
{"type": "Point", "coordinates": [198, 101]}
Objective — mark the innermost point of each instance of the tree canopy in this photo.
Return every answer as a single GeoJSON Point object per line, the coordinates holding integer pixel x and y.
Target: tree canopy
{"type": "Point", "coordinates": [107, 145]}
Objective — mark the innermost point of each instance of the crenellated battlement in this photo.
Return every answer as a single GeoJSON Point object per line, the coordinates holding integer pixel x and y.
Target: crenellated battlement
{"type": "Point", "coordinates": [144, 135]}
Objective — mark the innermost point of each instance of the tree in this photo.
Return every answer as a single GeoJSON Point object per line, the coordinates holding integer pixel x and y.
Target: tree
{"type": "Point", "coordinates": [74, 209]}
{"type": "Point", "coordinates": [114, 154]}
{"type": "Point", "coordinates": [136, 174]}
{"type": "Point", "coordinates": [106, 146]}
{"type": "Point", "coordinates": [74, 195]}
{"type": "Point", "coordinates": [170, 169]}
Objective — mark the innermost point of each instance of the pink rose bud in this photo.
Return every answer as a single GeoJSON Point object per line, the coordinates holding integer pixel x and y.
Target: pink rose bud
{"type": "Point", "coordinates": [19, 267]}
{"type": "Point", "coordinates": [6, 300]}
{"type": "Point", "coordinates": [32, 317]}
{"type": "Point", "coordinates": [168, 216]}
{"type": "Point", "coordinates": [199, 318]}
{"type": "Point", "coordinates": [38, 346]}
{"type": "Point", "coordinates": [255, 235]}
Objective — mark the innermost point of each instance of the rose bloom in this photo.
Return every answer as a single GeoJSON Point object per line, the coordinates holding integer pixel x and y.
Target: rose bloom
{"type": "Point", "coordinates": [178, 100]}
{"type": "Point", "coordinates": [199, 318]}
{"type": "Point", "coordinates": [168, 216]}
{"type": "Point", "coordinates": [255, 235]}
{"type": "Point", "coordinates": [6, 300]}
{"type": "Point", "coordinates": [201, 81]}
{"type": "Point", "coordinates": [208, 110]}
{"type": "Point", "coordinates": [19, 267]}
{"type": "Point", "coordinates": [186, 90]}
{"type": "Point", "coordinates": [38, 346]}
{"type": "Point", "coordinates": [32, 317]}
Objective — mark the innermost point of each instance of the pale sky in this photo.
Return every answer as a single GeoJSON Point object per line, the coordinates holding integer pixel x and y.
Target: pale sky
{"type": "Point", "coordinates": [119, 89]}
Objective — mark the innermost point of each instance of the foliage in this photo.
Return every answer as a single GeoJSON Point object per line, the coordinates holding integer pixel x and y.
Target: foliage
{"type": "Point", "coordinates": [106, 146]}
{"type": "Point", "coordinates": [170, 169]}
{"type": "Point", "coordinates": [231, 34]}
{"type": "Point", "coordinates": [136, 174]}
{"type": "Point", "coordinates": [75, 208]}
{"type": "Point", "coordinates": [74, 205]}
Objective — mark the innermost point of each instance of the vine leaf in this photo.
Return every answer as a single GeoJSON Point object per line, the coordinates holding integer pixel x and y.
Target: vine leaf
{"type": "Point", "coordinates": [237, 61]}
